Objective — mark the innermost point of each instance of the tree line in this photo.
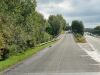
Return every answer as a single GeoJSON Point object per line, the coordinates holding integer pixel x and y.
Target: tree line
{"type": "Point", "coordinates": [96, 30]}
{"type": "Point", "coordinates": [77, 27]}
{"type": "Point", "coordinates": [22, 27]}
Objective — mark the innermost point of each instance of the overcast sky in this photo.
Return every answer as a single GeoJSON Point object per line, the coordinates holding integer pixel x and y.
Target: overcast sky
{"type": "Point", "coordinates": [87, 11]}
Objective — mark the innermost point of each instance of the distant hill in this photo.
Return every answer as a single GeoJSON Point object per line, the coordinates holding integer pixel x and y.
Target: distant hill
{"type": "Point", "coordinates": [88, 29]}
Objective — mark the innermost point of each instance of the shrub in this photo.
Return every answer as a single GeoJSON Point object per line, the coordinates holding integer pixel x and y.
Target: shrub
{"type": "Point", "coordinates": [79, 38]}
{"type": "Point", "coordinates": [4, 53]}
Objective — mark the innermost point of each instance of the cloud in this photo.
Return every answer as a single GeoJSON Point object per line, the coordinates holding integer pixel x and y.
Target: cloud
{"type": "Point", "coordinates": [86, 10]}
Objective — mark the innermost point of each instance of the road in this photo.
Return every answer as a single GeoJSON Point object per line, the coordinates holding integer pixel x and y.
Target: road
{"type": "Point", "coordinates": [95, 42]}
{"type": "Point", "coordinates": [63, 57]}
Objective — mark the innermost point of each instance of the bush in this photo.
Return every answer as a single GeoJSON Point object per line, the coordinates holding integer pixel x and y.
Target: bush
{"type": "Point", "coordinates": [22, 27]}
{"type": "Point", "coordinates": [4, 53]}
{"type": "Point", "coordinates": [79, 38]}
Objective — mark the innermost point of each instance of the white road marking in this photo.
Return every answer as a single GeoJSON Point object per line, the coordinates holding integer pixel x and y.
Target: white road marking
{"type": "Point", "coordinates": [93, 54]}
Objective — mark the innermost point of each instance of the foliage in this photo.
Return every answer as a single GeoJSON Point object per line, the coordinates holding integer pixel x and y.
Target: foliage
{"type": "Point", "coordinates": [22, 27]}
{"type": "Point", "coordinates": [19, 57]}
{"type": "Point", "coordinates": [79, 38]}
{"type": "Point", "coordinates": [96, 30]}
{"type": "Point", "coordinates": [77, 27]}
{"type": "Point", "coordinates": [56, 24]}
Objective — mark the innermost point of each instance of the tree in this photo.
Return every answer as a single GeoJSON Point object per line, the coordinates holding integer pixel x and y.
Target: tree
{"type": "Point", "coordinates": [96, 30]}
{"type": "Point", "coordinates": [22, 27]}
{"type": "Point", "coordinates": [56, 24]}
{"type": "Point", "coordinates": [77, 27]}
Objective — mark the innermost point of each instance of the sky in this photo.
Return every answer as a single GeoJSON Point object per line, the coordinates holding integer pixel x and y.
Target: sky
{"type": "Point", "coordinates": [87, 11]}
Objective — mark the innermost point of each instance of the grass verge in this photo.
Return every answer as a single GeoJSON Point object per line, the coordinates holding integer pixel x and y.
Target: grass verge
{"type": "Point", "coordinates": [79, 38]}
{"type": "Point", "coordinates": [20, 57]}
{"type": "Point", "coordinates": [62, 32]}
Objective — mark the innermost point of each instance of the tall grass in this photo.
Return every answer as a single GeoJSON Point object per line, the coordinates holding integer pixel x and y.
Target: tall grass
{"type": "Point", "coordinates": [79, 38]}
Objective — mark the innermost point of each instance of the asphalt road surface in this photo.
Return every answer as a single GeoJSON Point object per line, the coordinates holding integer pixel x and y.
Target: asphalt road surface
{"type": "Point", "coordinates": [65, 57]}
{"type": "Point", "coordinates": [95, 42]}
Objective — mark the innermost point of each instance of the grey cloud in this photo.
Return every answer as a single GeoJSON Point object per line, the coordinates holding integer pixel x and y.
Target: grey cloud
{"type": "Point", "coordinates": [86, 10]}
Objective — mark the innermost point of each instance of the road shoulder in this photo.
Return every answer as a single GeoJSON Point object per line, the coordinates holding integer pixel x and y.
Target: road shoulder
{"type": "Point", "coordinates": [90, 50]}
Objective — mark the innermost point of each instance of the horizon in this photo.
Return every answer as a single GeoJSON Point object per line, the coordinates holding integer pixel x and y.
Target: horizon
{"type": "Point", "coordinates": [86, 11]}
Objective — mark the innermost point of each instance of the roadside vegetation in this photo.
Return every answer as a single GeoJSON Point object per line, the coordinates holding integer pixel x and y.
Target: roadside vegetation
{"type": "Point", "coordinates": [23, 28]}
{"type": "Point", "coordinates": [79, 38]}
{"type": "Point", "coordinates": [93, 31]}
{"type": "Point", "coordinates": [78, 31]}
{"type": "Point", "coordinates": [96, 30]}
{"type": "Point", "coordinates": [13, 60]}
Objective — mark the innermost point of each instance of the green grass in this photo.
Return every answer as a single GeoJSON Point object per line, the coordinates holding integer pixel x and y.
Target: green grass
{"type": "Point", "coordinates": [20, 57]}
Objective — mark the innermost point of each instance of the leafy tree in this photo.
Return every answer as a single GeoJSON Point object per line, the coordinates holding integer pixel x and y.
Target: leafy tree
{"type": "Point", "coordinates": [56, 24]}
{"type": "Point", "coordinates": [22, 27]}
{"type": "Point", "coordinates": [77, 27]}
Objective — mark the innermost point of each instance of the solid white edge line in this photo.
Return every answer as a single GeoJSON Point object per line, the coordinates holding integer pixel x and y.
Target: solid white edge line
{"type": "Point", "coordinates": [93, 54]}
